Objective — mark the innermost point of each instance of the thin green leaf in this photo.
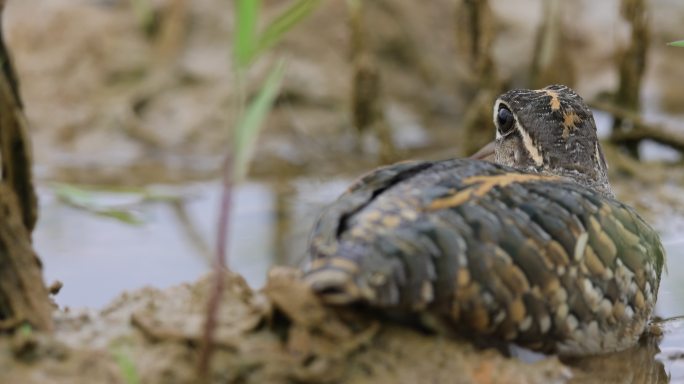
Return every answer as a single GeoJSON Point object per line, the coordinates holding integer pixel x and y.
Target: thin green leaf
{"type": "Point", "coordinates": [73, 195]}
{"type": "Point", "coordinates": [26, 330]}
{"type": "Point", "coordinates": [679, 43]}
{"type": "Point", "coordinates": [122, 215]}
{"type": "Point", "coordinates": [288, 19]}
{"type": "Point", "coordinates": [245, 36]}
{"type": "Point", "coordinates": [144, 12]}
{"type": "Point", "coordinates": [85, 200]}
{"type": "Point", "coordinates": [143, 194]}
{"type": "Point", "coordinates": [247, 129]}
{"type": "Point", "coordinates": [126, 366]}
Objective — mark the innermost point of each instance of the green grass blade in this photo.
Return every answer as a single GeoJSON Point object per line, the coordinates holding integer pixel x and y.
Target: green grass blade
{"type": "Point", "coordinates": [126, 366]}
{"type": "Point", "coordinates": [85, 200]}
{"type": "Point", "coordinates": [247, 130]}
{"type": "Point", "coordinates": [73, 195]}
{"type": "Point", "coordinates": [26, 330]}
{"type": "Point", "coordinates": [245, 35]}
{"type": "Point", "coordinates": [124, 216]}
{"type": "Point", "coordinates": [679, 43]}
{"type": "Point", "coordinates": [288, 19]}
{"type": "Point", "coordinates": [144, 13]}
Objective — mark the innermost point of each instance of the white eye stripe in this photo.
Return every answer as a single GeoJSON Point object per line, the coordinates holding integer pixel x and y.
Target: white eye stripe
{"type": "Point", "coordinates": [531, 148]}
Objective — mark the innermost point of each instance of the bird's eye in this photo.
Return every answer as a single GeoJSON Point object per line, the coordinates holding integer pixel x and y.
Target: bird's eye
{"type": "Point", "coordinates": [505, 120]}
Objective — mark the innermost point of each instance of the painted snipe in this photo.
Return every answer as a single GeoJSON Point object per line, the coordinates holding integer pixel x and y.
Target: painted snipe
{"type": "Point", "coordinates": [531, 248]}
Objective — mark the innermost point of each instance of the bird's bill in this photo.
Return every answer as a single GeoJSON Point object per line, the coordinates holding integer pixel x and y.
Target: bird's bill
{"type": "Point", "coordinates": [485, 153]}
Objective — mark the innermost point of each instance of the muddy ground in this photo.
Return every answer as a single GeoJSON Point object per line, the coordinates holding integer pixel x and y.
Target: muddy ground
{"type": "Point", "coordinates": [110, 105]}
{"type": "Point", "coordinates": [281, 334]}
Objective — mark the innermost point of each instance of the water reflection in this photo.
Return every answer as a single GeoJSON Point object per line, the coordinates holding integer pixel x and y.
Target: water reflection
{"type": "Point", "coordinates": [637, 365]}
{"type": "Point", "coordinates": [672, 348]}
{"type": "Point", "coordinates": [670, 306]}
{"type": "Point", "coordinates": [671, 294]}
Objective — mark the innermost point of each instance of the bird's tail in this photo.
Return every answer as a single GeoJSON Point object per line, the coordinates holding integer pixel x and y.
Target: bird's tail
{"type": "Point", "coordinates": [337, 276]}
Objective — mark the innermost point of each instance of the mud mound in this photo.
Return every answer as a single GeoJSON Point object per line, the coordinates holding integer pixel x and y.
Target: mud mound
{"type": "Point", "coordinates": [278, 335]}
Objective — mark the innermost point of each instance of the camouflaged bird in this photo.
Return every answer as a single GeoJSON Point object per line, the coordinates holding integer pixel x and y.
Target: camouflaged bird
{"type": "Point", "coordinates": [532, 248]}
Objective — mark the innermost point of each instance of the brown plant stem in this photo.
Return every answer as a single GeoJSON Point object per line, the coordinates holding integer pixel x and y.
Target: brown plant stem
{"type": "Point", "coordinates": [475, 32]}
{"type": "Point", "coordinates": [366, 91]}
{"type": "Point", "coordinates": [632, 65]}
{"type": "Point", "coordinates": [220, 268]}
{"type": "Point", "coordinates": [173, 30]}
{"type": "Point", "coordinates": [552, 61]}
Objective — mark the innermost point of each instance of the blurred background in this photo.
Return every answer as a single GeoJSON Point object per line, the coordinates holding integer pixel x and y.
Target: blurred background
{"type": "Point", "coordinates": [130, 104]}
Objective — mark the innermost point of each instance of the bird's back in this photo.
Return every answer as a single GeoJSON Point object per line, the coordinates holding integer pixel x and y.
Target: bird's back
{"type": "Point", "coordinates": [534, 259]}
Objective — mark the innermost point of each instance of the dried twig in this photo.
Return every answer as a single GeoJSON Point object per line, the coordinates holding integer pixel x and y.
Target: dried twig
{"type": "Point", "coordinates": [475, 34]}
{"type": "Point", "coordinates": [552, 61]}
{"type": "Point", "coordinates": [173, 30]}
{"type": "Point", "coordinates": [366, 98]}
{"type": "Point", "coordinates": [641, 130]}
{"type": "Point", "coordinates": [648, 132]}
{"type": "Point", "coordinates": [632, 65]}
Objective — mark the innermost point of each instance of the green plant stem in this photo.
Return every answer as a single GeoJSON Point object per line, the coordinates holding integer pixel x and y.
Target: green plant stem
{"type": "Point", "coordinates": [245, 36]}
{"type": "Point", "coordinates": [248, 120]}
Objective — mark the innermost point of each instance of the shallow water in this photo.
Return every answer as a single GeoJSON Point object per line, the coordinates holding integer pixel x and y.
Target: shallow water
{"type": "Point", "coordinates": [98, 257]}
